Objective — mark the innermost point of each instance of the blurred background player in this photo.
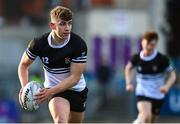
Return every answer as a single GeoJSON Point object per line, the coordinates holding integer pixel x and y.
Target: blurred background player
{"type": "Point", "coordinates": [21, 20]}
{"type": "Point", "coordinates": [104, 74]}
{"type": "Point", "coordinates": [63, 55]}
{"type": "Point", "coordinates": [151, 88]}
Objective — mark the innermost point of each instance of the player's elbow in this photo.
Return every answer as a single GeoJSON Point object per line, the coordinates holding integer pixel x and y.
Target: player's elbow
{"type": "Point", "coordinates": [23, 65]}
{"type": "Point", "coordinates": [127, 70]}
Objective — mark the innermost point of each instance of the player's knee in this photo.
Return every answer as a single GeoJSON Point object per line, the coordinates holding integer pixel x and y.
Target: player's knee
{"type": "Point", "coordinates": [59, 119]}
{"type": "Point", "coordinates": [146, 118]}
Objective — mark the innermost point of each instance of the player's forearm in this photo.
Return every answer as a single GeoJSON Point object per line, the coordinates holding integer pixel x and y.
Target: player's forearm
{"type": "Point", "coordinates": [128, 78]}
{"type": "Point", "coordinates": [65, 84]}
{"type": "Point", "coordinates": [171, 80]}
{"type": "Point", "coordinates": [23, 74]}
{"type": "Point", "coordinates": [128, 75]}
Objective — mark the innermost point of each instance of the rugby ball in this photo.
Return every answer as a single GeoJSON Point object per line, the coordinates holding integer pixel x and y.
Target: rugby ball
{"type": "Point", "coordinates": [28, 95]}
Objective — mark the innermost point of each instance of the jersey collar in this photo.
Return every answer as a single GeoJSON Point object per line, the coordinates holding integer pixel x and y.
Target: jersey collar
{"type": "Point", "coordinates": [148, 58]}
{"type": "Point", "coordinates": [57, 46]}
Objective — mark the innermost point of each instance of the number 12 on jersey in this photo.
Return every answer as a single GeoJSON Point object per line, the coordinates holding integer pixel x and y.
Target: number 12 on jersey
{"type": "Point", "coordinates": [45, 60]}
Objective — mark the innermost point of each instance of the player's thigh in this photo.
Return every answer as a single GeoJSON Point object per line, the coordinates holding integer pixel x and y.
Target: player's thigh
{"type": "Point", "coordinates": [59, 108]}
{"type": "Point", "coordinates": [76, 117]}
{"type": "Point", "coordinates": [156, 107]}
{"type": "Point", "coordinates": [144, 107]}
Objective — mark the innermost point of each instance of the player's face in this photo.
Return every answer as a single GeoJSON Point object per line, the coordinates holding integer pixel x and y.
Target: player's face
{"type": "Point", "coordinates": [149, 47]}
{"type": "Point", "coordinates": [63, 28]}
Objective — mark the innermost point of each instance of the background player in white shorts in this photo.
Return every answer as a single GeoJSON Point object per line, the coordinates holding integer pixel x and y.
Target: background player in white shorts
{"type": "Point", "coordinates": [63, 55]}
{"type": "Point", "coordinates": [151, 88]}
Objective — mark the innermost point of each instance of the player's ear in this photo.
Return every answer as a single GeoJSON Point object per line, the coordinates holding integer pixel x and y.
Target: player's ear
{"type": "Point", "coordinates": [52, 25]}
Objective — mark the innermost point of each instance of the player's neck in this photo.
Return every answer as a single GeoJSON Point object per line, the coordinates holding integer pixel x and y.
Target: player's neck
{"type": "Point", "coordinates": [147, 53]}
{"type": "Point", "coordinates": [57, 40]}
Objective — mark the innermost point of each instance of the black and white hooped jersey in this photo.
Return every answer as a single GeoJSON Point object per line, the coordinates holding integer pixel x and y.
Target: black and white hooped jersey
{"type": "Point", "coordinates": [150, 73]}
{"type": "Point", "coordinates": [56, 59]}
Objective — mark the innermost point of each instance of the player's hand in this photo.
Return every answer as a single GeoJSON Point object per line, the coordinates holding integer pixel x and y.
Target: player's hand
{"type": "Point", "coordinates": [20, 100]}
{"type": "Point", "coordinates": [164, 89]}
{"type": "Point", "coordinates": [129, 87]}
{"type": "Point", "coordinates": [43, 95]}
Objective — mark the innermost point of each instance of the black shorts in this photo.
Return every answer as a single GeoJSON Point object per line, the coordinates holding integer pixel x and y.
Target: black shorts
{"type": "Point", "coordinates": [156, 103]}
{"type": "Point", "coordinates": [76, 99]}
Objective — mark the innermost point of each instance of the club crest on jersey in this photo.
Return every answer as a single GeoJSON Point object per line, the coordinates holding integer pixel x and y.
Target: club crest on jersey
{"type": "Point", "coordinates": [83, 53]}
{"type": "Point", "coordinates": [67, 60]}
{"type": "Point", "coordinates": [154, 68]}
{"type": "Point", "coordinates": [139, 68]}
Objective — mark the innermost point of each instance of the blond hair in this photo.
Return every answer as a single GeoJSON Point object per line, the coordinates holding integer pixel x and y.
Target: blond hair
{"type": "Point", "coordinates": [61, 12]}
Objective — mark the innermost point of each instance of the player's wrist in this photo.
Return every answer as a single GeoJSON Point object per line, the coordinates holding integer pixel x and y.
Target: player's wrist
{"type": "Point", "coordinates": [128, 83]}
{"type": "Point", "coordinates": [168, 86]}
{"type": "Point", "coordinates": [51, 92]}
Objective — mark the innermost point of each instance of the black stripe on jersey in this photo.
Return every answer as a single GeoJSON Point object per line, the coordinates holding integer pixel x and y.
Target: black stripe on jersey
{"type": "Point", "coordinates": [150, 76]}
{"type": "Point", "coordinates": [31, 55]}
{"type": "Point", "coordinates": [57, 71]}
{"type": "Point", "coordinates": [79, 61]}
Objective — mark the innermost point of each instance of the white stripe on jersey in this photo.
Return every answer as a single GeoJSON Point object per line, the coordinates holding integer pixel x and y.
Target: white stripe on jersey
{"type": "Point", "coordinates": [150, 76]}
{"type": "Point", "coordinates": [149, 90]}
{"type": "Point", "coordinates": [31, 55]}
{"type": "Point", "coordinates": [56, 69]}
{"type": "Point", "coordinates": [149, 85]}
{"type": "Point", "coordinates": [83, 57]}
{"type": "Point", "coordinates": [54, 79]}
{"type": "Point", "coordinates": [77, 60]}
{"type": "Point", "coordinates": [169, 68]}
{"type": "Point", "coordinates": [80, 59]}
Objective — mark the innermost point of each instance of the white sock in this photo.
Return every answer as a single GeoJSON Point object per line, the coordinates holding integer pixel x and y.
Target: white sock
{"type": "Point", "coordinates": [137, 121]}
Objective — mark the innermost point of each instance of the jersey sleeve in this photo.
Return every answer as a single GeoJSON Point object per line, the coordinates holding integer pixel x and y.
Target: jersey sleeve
{"type": "Point", "coordinates": [80, 53]}
{"type": "Point", "coordinates": [134, 60]}
{"type": "Point", "coordinates": [168, 65]}
{"type": "Point", "coordinates": [32, 50]}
